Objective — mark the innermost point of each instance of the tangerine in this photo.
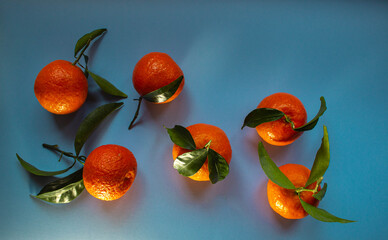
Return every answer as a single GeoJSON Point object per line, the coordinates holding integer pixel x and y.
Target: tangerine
{"type": "Point", "coordinates": [286, 202]}
{"type": "Point", "coordinates": [202, 134]}
{"type": "Point", "coordinates": [156, 70]}
{"type": "Point", "coordinates": [280, 132]}
{"type": "Point", "coordinates": [61, 87]}
{"type": "Point", "coordinates": [109, 172]}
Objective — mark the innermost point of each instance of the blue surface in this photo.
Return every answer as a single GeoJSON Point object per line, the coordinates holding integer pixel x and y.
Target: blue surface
{"type": "Point", "coordinates": [233, 54]}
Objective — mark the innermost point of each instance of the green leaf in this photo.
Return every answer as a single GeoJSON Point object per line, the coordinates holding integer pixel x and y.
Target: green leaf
{"type": "Point", "coordinates": [271, 170]}
{"type": "Point", "coordinates": [91, 122]}
{"type": "Point", "coordinates": [322, 159]}
{"type": "Point", "coordinates": [181, 137]}
{"type": "Point", "coordinates": [310, 125]}
{"type": "Point", "coordinates": [319, 195]}
{"type": "Point", "coordinates": [63, 190]}
{"type": "Point", "coordinates": [164, 93]}
{"type": "Point", "coordinates": [62, 182]}
{"type": "Point", "coordinates": [321, 214]}
{"type": "Point", "coordinates": [106, 86]}
{"type": "Point", "coordinates": [30, 168]}
{"type": "Point", "coordinates": [218, 166]}
{"type": "Point", "coordinates": [86, 39]}
{"type": "Point", "coordinates": [189, 163]}
{"type": "Point", "coordinates": [261, 115]}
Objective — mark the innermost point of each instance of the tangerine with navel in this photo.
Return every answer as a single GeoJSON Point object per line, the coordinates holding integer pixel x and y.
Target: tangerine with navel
{"type": "Point", "coordinates": [202, 134]}
{"type": "Point", "coordinates": [286, 202]}
{"type": "Point", "coordinates": [61, 87]}
{"type": "Point", "coordinates": [280, 132]}
{"type": "Point", "coordinates": [109, 172]}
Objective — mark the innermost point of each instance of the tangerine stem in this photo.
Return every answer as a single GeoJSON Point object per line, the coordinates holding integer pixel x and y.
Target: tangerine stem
{"type": "Point", "coordinates": [289, 121]}
{"type": "Point", "coordinates": [85, 69]}
{"type": "Point", "coordinates": [299, 190]}
{"type": "Point", "coordinates": [207, 146]}
{"type": "Point", "coordinates": [318, 183]}
{"type": "Point", "coordinates": [315, 190]}
{"type": "Point", "coordinates": [82, 53]}
{"type": "Point", "coordinates": [136, 113]}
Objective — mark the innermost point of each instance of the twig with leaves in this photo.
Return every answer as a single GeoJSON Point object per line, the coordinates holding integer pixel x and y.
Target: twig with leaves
{"type": "Point", "coordinates": [321, 163]}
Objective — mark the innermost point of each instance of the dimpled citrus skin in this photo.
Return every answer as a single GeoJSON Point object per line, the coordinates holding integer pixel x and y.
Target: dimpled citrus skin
{"type": "Point", "coordinates": [286, 202]}
{"type": "Point", "coordinates": [109, 172]}
{"type": "Point", "coordinates": [60, 87]}
{"type": "Point", "coordinates": [156, 70]}
{"type": "Point", "coordinates": [280, 132]}
{"type": "Point", "coordinates": [202, 134]}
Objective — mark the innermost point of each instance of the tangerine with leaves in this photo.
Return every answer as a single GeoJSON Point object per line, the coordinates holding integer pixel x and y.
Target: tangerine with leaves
{"type": "Point", "coordinates": [61, 87]}
{"type": "Point", "coordinates": [155, 70]}
{"type": "Point", "coordinates": [280, 132]}
{"type": "Point", "coordinates": [293, 190]}
{"type": "Point", "coordinates": [109, 172]}
{"type": "Point", "coordinates": [157, 78]}
{"type": "Point", "coordinates": [202, 134]}
{"type": "Point", "coordinates": [286, 202]}
{"type": "Point", "coordinates": [281, 118]}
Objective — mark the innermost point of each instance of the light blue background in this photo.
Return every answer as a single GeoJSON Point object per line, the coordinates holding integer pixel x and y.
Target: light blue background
{"type": "Point", "coordinates": [233, 54]}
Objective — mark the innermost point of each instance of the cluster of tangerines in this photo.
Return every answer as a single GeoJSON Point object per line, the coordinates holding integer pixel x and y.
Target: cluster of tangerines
{"type": "Point", "coordinates": [201, 152]}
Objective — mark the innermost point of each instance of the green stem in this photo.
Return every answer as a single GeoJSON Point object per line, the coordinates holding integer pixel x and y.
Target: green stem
{"type": "Point", "coordinates": [207, 146]}
{"type": "Point", "coordinates": [299, 190]}
{"type": "Point", "coordinates": [85, 69]}
{"type": "Point", "coordinates": [315, 190]}
{"type": "Point", "coordinates": [55, 148]}
{"type": "Point", "coordinates": [137, 112]}
{"type": "Point", "coordinates": [318, 183]}
{"type": "Point", "coordinates": [82, 52]}
{"type": "Point", "coordinates": [60, 157]}
{"type": "Point", "coordinates": [81, 66]}
{"type": "Point", "coordinates": [289, 121]}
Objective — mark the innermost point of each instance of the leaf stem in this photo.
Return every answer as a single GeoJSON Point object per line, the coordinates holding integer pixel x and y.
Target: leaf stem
{"type": "Point", "coordinates": [302, 189]}
{"type": "Point", "coordinates": [207, 146]}
{"type": "Point", "coordinates": [55, 148]}
{"type": "Point", "coordinates": [136, 113]}
{"type": "Point", "coordinates": [289, 121]}
{"type": "Point", "coordinates": [82, 53]}
{"type": "Point", "coordinates": [81, 65]}
{"type": "Point", "coordinates": [60, 157]}
{"type": "Point", "coordinates": [315, 190]}
{"type": "Point", "coordinates": [317, 185]}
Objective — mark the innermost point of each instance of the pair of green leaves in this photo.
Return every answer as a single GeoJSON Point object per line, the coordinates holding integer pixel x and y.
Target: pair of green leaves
{"type": "Point", "coordinates": [321, 163]}
{"type": "Point", "coordinates": [90, 123]}
{"type": "Point", "coordinates": [189, 163]}
{"type": "Point", "coordinates": [80, 47]}
{"type": "Point", "coordinates": [158, 96]}
{"type": "Point", "coordinates": [263, 115]}
{"type": "Point", "coordinates": [64, 190]}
